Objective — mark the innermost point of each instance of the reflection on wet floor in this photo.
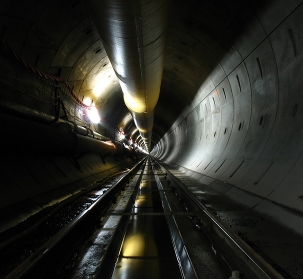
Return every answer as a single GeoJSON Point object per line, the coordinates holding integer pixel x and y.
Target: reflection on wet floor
{"type": "Point", "coordinates": [147, 250]}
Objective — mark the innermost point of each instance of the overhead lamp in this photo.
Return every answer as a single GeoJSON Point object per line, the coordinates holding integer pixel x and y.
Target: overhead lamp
{"type": "Point", "coordinates": [93, 115]}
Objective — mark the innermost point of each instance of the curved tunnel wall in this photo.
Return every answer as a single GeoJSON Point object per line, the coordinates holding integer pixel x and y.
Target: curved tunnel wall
{"type": "Point", "coordinates": [46, 158]}
{"type": "Point", "coordinates": [230, 106]}
{"type": "Point", "coordinates": [33, 182]}
{"type": "Point", "coordinates": [244, 126]}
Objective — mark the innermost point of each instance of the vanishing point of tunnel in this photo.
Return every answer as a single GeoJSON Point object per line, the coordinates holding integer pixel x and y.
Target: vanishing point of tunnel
{"type": "Point", "coordinates": [210, 88]}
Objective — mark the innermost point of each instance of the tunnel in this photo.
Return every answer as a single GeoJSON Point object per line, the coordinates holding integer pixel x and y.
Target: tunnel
{"type": "Point", "coordinates": [228, 111]}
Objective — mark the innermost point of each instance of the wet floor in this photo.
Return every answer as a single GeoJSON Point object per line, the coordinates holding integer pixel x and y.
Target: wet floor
{"type": "Point", "coordinates": [147, 250]}
{"type": "Point", "coordinates": [280, 246]}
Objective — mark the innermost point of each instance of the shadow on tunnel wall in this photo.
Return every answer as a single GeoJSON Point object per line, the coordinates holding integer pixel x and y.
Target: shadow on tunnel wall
{"type": "Point", "coordinates": [232, 82]}
{"type": "Point", "coordinates": [47, 156]}
{"type": "Point", "coordinates": [200, 39]}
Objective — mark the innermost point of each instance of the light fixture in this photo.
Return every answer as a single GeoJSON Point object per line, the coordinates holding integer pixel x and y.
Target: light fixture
{"type": "Point", "coordinates": [93, 115]}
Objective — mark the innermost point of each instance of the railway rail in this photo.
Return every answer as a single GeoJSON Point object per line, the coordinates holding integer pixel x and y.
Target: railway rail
{"type": "Point", "coordinates": [147, 221]}
{"type": "Point", "coordinates": [238, 255]}
{"type": "Point", "coordinates": [63, 221]}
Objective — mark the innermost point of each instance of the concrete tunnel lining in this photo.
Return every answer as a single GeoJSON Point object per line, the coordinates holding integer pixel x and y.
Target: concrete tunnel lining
{"type": "Point", "coordinates": [230, 106]}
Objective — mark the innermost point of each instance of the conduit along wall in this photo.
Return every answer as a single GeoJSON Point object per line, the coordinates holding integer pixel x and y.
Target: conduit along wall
{"type": "Point", "coordinates": [43, 165]}
{"type": "Point", "coordinates": [44, 158]}
{"type": "Point", "coordinates": [134, 36]}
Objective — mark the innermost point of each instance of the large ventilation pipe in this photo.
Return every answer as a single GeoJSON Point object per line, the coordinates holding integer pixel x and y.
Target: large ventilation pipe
{"type": "Point", "coordinates": [134, 36]}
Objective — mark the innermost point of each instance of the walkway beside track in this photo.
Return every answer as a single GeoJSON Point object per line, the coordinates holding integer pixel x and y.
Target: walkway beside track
{"type": "Point", "coordinates": [280, 246]}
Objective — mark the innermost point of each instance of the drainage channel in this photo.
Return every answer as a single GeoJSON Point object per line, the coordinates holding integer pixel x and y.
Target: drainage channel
{"type": "Point", "coordinates": [147, 250]}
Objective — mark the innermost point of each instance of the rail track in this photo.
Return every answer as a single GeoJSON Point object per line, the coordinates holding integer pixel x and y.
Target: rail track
{"type": "Point", "coordinates": [36, 244]}
{"type": "Point", "coordinates": [240, 257]}
{"type": "Point", "coordinates": [145, 222]}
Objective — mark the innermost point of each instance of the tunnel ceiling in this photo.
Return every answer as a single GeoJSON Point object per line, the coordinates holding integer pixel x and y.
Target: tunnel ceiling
{"type": "Point", "coordinates": [59, 38]}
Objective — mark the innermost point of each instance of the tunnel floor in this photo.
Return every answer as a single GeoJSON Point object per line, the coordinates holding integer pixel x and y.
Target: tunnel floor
{"type": "Point", "coordinates": [147, 250]}
{"type": "Point", "coordinates": [282, 247]}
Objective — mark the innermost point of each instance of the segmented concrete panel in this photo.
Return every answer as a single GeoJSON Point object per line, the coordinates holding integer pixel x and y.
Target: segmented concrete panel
{"type": "Point", "coordinates": [231, 100]}
{"type": "Point", "coordinates": [261, 148]}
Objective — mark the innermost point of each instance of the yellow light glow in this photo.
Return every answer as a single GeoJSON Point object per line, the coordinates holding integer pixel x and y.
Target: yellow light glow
{"type": "Point", "coordinates": [140, 100]}
{"type": "Point", "coordinates": [142, 130]}
{"type": "Point", "coordinates": [126, 120]}
{"type": "Point", "coordinates": [104, 81]}
{"type": "Point", "coordinates": [87, 101]}
{"type": "Point", "coordinates": [93, 115]}
{"type": "Point", "coordinates": [133, 132]}
{"type": "Point", "coordinates": [133, 246]}
{"type": "Point", "coordinates": [141, 199]}
{"type": "Point", "coordinates": [134, 104]}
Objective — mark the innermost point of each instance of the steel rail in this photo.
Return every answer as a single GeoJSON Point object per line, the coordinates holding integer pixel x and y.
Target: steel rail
{"type": "Point", "coordinates": [24, 233]}
{"type": "Point", "coordinates": [234, 250]}
{"type": "Point", "coordinates": [186, 266]}
{"type": "Point", "coordinates": [43, 260]}
{"type": "Point", "coordinates": [172, 213]}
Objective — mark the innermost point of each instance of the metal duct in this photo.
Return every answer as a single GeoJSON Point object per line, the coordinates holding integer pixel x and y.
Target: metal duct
{"type": "Point", "coordinates": [134, 36]}
{"type": "Point", "coordinates": [38, 116]}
